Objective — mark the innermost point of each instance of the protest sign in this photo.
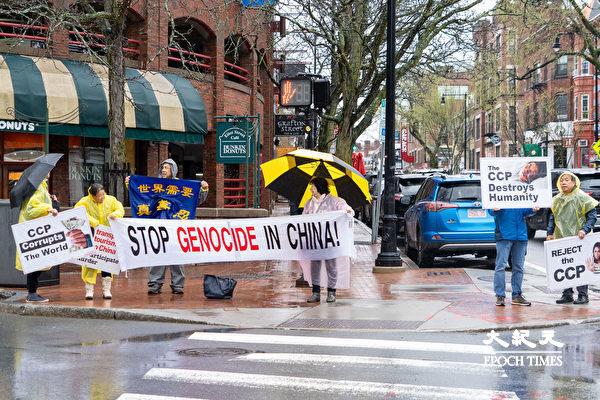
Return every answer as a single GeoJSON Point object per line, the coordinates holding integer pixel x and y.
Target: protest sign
{"type": "Point", "coordinates": [48, 241]}
{"type": "Point", "coordinates": [146, 243]}
{"type": "Point", "coordinates": [515, 182]}
{"type": "Point", "coordinates": [163, 198]}
{"type": "Point", "coordinates": [572, 261]}
{"type": "Point", "coordinates": [104, 256]}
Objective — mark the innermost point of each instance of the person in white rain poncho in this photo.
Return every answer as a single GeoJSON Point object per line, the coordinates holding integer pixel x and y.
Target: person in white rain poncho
{"type": "Point", "coordinates": [320, 202]}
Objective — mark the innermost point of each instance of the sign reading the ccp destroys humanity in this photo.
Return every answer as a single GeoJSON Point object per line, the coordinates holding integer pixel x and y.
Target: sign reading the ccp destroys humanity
{"type": "Point", "coordinates": [572, 262]}
{"type": "Point", "coordinates": [235, 142]}
{"type": "Point", "coordinates": [48, 241]}
{"type": "Point", "coordinates": [515, 182]}
{"type": "Point", "coordinates": [147, 243]}
{"type": "Point", "coordinates": [104, 256]}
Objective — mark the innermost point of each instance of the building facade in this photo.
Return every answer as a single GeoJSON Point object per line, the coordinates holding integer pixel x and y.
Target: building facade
{"type": "Point", "coordinates": [211, 61]}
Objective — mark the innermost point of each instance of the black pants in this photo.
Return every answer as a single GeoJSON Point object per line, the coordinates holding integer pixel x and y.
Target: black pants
{"type": "Point", "coordinates": [32, 281]}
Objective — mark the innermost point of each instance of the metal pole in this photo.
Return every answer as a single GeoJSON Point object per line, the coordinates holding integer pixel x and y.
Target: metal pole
{"type": "Point", "coordinates": [595, 96]}
{"type": "Point", "coordinates": [389, 255]}
{"type": "Point", "coordinates": [465, 135]}
{"type": "Point", "coordinates": [514, 109]}
{"type": "Point", "coordinates": [247, 159]}
{"type": "Point", "coordinates": [257, 166]}
{"type": "Point", "coordinates": [47, 133]}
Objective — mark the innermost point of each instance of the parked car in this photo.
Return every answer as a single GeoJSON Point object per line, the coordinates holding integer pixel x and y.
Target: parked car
{"type": "Point", "coordinates": [590, 183]}
{"type": "Point", "coordinates": [446, 218]}
{"type": "Point", "coordinates": [407, 185]}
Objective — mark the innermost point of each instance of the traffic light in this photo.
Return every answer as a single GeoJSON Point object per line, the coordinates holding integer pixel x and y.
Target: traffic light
{"type": "Point", "coordinates": [296, 92]}
{"type": "Point", "coordinates": [321, 93]}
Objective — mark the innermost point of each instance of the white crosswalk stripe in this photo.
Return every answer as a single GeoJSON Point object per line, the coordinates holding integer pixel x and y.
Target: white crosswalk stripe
{"type": "Point", "coordinates": [339, 387]}
{"type": "Point", "coordinates": [343, 342]}
{"type": "Point", "coordinates": [244, 376]}
{"type": "Point", "coordinates": [320, 359]}
{"type": "Point", "coordinates": [136, 396]}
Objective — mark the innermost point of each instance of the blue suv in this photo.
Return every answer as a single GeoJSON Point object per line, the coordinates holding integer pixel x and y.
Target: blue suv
{"type": "Point", "coordinates": [446, 218]}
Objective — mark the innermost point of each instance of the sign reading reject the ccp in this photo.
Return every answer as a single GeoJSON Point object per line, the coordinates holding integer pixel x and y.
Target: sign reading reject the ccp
{"type": "Point", "coordinates": [233, 141]}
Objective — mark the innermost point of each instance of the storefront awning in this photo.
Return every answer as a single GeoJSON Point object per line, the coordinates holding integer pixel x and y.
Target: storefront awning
{"type": "Point", "coordinates": [73, 97]}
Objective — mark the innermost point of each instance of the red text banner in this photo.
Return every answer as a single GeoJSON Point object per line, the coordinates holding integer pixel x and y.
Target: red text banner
{"type": "Point", "coordinates": [148, 242]}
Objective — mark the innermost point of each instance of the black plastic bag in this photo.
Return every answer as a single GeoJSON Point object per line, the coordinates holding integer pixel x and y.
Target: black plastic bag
{"type": "Point", "coordinates": [217, 287]}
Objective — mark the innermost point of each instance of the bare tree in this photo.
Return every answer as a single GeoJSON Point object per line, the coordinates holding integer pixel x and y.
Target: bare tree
{"type": "Point", "coordinates": [351, 37]}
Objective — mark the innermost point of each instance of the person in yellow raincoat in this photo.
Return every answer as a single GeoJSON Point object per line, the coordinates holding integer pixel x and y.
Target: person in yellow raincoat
{"type": "Point", "coordinates": [99, 207]}
{"type": "Point", "coordinates": [573, 213]}
{"type": "Point", "coordinates": [38, 205]}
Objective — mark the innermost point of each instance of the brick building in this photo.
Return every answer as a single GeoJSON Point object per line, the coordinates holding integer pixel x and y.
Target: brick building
{"type": "Point", "coordinates": [174, 91]}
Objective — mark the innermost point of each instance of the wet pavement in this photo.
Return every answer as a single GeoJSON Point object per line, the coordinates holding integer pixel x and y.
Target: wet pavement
{"type": "Point", "coordinates": [65, 358]}
{"type": "Point", "coordinates": [454, 294]}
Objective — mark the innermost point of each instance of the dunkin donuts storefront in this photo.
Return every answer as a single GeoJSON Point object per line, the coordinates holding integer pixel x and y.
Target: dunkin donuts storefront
{"type": "Point", "coordinates": [61, 106]}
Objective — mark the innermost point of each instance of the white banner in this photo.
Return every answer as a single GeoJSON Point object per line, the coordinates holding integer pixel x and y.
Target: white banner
{"type": "Point", "coordinates": [572, 261]}
{"type": "Point", "coordinates": [515, 182]}
{"type": "Point", "coordinates": [48, 241]}
{"type": "Point", "coordinates": [104, 256]}
{"type": "Point", "coordinates": [152, 242]}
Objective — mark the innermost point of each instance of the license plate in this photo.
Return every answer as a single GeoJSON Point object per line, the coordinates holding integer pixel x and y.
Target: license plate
{"type": "Point", "coordinates": [476, 213]}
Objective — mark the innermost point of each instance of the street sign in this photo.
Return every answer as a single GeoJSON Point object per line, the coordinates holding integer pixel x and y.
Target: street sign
{"type": "Point", "coordinates": [293, 125]}
{"type": "Point", "coordinates": [596, 147]}
{"type": "Point", "coordinates": [233, 141]}
{"type": "Point", "coordinates": [567, 142]}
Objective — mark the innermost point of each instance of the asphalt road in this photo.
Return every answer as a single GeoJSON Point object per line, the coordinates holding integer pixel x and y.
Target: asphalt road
{"type": "Point", "coordinates": [55, 358]}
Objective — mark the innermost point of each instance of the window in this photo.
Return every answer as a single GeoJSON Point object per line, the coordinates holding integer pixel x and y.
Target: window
{"type": "Point", "coordinates": [527, 118]}
{"type": "Point", "coordinates": [477, 128]}
{"type": "Point", "coordinates": [585, 106]}
{"type": "Point", "coordinates": [576, 110]}
{"type": "Point", "coordinates": [511, 42]}
{"type": "Point", "coordinates": [537, 75]}
{"type": "Point", "coordinates": [536, 115]}
{"type": "Point", "coordinates": [585, 67]}
{"type": "Point", "coordinates": [584, 157]}
{"type": "Point", "coordinates": [459, 191]}
{"type": "Point", "coordinates": [560, 104]}
{"type": "Point", "coordinates": [497, 120]}
{"type": "Point", "coordinates": [498, 42]}
{"type": "Point", "coordinates": [498, 150]}
{"type": "Point", "coordinates": [560, 70]}
{"type": "Point", "coordinates": [490, 123]}
{"type": "Point", "coordinates": [512, 149]}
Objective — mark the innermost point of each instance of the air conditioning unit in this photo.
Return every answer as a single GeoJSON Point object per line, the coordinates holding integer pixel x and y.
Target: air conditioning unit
{"type": "Point", "coordinates": [582, 143]}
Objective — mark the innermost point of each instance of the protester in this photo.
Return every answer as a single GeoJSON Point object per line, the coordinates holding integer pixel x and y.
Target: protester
{"type": "Point", "coordinates": [168, 170]}
{"type": "Point", "coordinates": [320, 202]}
{"type": "Point", "coordinates": [358, 162]}
{"type": "Point", "coordinates": [593, 263]}
{"type": "Point", "coordinates": [511, 243]}
{"type": "Point", "coordinates": [99, 207]}
{"type": "Point", "coordinates": [573, 213]}
{"type": "Point", "coordinates": [38, 205]}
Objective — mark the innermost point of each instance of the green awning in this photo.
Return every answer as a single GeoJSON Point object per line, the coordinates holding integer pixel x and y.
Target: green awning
{"type": "Point", "coordinates": [73, 97]}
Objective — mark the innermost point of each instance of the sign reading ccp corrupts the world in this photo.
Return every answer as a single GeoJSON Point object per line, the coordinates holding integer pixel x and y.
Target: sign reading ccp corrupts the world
{"type": "Point", "coordinates": [572, 262]}
{"type": "Point", "coordinates": [104, 256]}
{"type": "Point", "coordinates": [515, 182]}
{"type": "Point", "coordinates": [147, 243]}
{"type": "Point", "coordinates": [48, 241]}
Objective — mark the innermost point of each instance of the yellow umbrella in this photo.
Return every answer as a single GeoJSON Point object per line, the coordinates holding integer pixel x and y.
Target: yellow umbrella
{"type": "Point", "coordinates": [290, 176]}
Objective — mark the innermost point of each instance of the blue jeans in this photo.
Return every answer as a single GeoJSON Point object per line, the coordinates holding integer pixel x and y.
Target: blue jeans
{"type": "Point", "coordinates": [516, 250]}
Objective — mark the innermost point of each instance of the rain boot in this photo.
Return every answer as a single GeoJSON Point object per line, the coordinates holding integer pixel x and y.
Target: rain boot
{"type": "Point", "coordinates": [106, 283]}
{"type": "Point", "coordinates": [89, 291]}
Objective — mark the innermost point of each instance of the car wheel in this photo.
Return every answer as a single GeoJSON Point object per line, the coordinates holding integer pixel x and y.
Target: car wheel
{"type": "Point", "coordinates": [424, 257]}
{"type": "Point", "coordinates": [530, 233]}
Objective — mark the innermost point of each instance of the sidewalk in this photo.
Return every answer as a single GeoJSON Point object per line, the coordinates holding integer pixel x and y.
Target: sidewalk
{"type": "Point", "coordinates": [453, 297]}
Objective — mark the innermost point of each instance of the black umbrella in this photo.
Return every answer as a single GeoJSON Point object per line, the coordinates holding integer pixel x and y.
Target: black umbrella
{"type": "Point", "coordinates": [32, 177]}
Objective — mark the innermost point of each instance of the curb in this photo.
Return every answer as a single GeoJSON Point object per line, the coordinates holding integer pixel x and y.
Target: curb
{"type": "Point", "coordinates": [94, 313]}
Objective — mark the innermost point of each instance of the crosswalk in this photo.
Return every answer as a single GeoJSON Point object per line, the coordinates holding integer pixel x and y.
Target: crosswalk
{"type": "Point", "coordinates": [306, 363]}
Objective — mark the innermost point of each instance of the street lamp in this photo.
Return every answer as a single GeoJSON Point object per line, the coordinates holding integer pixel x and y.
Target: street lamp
{"type": "Point", "coordinates": [389, 256]}
{"type": "Point", "coordinates": [464, 97]}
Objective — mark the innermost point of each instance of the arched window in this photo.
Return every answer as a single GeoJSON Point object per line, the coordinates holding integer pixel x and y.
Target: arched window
{"type": "Point", "coordinates": [237, 59]}
{"type": "Point", "coordinates": [191, 45]}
